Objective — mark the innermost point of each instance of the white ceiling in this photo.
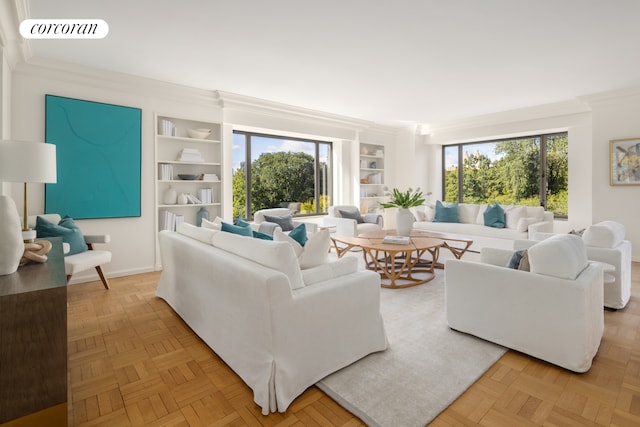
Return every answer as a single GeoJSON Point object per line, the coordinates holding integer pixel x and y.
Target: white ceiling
{"type": "Point", "coordinates": [391, 62]}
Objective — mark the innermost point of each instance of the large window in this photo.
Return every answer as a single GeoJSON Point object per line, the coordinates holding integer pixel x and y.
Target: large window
{"type": "Point", "coordinates": [530, 171]}
{"type": "Point", "coordinates": [270, 171]}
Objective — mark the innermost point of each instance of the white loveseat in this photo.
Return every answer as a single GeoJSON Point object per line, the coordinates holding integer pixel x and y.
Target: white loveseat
{"type": "Point", "coordinates": [281, 329]}
{"type": "Point", "coordinates": [553, 312]}
{"type": "Point", "coordinates": [521, 223]}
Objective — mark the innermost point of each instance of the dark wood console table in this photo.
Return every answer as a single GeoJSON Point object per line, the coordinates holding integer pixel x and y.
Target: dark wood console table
{"type": "Point", "coordinates": [33, 343]}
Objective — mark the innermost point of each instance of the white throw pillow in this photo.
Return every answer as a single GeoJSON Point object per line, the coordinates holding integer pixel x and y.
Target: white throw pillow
{"type": "Point", "coordinates": [216, 224]}
{"type": "Point", "coordinates": [468, 213]}
{"type": "Point", "coordinates": [535, 212]}
{"type": "Point", "coordinates": [205, 235]}
{"type": "Point", "coordinates": [315, 251]}
{"type": "Point", "coordinates": [513, 215]}
{"type": "Point", "coordinates": [276, 255]}
{"type": "Point", "coordinates": [524, 223]}
{"type": "Point", "coordinates": [480, 216]}
{"type": "Point", "coordinates": [563, 256]}
{"type": "Point", "coordinates": [605, 234]}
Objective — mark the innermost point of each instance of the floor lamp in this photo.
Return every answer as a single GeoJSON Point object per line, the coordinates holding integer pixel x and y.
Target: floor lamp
{"type": "Point", "coordinates": [26, 162]}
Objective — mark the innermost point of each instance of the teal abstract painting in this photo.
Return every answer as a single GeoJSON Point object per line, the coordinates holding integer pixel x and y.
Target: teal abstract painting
{"type": "Point", "coordinates": [98, 150]}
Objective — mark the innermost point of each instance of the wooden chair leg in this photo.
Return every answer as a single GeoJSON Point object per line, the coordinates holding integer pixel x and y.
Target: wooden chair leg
{"type": "Point", "coordinates": [102, 276]}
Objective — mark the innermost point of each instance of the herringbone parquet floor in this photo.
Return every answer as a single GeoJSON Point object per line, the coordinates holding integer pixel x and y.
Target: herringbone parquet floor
{"type": "Point", "coordinates": [133, 362]}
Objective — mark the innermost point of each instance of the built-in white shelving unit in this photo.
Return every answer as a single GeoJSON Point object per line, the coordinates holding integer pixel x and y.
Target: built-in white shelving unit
{"type": "Point", "coordinates": [372, 177]}
{"type": "Point", "coordinates": [179, 153]}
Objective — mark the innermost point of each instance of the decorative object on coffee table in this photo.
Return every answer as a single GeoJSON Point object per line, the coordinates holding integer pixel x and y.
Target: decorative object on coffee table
{"type": "Point", "coordinates": [403, 201]}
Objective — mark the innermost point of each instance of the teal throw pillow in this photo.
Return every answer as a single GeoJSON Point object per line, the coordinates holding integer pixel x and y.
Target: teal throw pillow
{"type": "Point", "coordinates": [242, 228]}
{"type": "Point", "coordinates": [494, 216]}
{"type": "Point", "coordinates": [446, 213]}
{"type": "Point", "coordinates": [67, 229]}
{"type": "Point", "coordinates": [263, 236]}
{"type": "Point", "coordinates": [299, 234]}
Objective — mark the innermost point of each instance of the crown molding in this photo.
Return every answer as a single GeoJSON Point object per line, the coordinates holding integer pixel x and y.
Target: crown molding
{"type": "Point", "coordinates": [564, 108]}
{"type": "Point", "coordinates": [111, 80]}
{"type": "Point", "coordinates": [612, 97]}
{"type": "Point", "coordinates": [15, 48]}
{"type": "Point", "coordinates": [247, 104]}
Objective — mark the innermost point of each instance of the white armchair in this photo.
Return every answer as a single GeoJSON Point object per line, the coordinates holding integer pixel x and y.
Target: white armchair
{"type": "Point", "coordinates": [350, 226]}
{"type": "Point", "coordinates": [553, 312]}
{"type": "Point", "coordinates": [261, 224]}
{"type": "Point", "coordinates": [84, 260]}
{"type": "Point", "coordinates": [606, 244]}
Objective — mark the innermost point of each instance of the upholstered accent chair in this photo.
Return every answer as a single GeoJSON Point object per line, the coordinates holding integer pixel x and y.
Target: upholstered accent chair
{"type": "Point", "coordinates": [348, 221]}
{"type": "Point", "coordinates": [552, 312]}
{"type": "Point", "coordinates": [605, 243]}
{"type": "Point", "coordinates": [279, 217]}
{"type": "Point", "coordinates": [77, 262]}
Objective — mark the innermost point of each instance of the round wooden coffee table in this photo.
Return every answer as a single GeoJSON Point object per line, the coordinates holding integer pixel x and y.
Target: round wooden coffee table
{"type": "Point", "coordinates": [397, 264]}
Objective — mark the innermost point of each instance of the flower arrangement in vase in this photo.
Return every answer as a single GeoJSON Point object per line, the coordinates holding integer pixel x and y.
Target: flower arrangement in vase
{"type": "Point", "coordinates": [403, 201]}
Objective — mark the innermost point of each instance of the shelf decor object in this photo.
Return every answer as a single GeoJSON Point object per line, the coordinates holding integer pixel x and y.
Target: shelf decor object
{"type": "Point", "coordinates": [624, 161]}
{"type": "Point", "coordinates": [371, 177]}
{"type": "Point", "coordinates": [99, 158]}
{"type": "Point", "coordinates": [188, 156]}
{"type": "Point", "coordinates": [25, 162]}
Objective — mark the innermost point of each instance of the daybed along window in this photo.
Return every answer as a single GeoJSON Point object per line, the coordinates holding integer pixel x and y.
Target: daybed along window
{"type": "Point", "coordinates": [531, 170]}
{"type": "Point", "coordinates": [294, 173]}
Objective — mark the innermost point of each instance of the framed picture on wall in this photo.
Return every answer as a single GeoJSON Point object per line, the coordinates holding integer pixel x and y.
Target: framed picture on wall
{"type": "Point", "coordinates": [98, 150]}
{"type": "Point", "coordinates": [624, 161]}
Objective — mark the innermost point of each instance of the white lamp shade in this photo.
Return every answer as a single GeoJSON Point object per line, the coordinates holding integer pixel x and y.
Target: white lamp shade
{"type": "Point", "coordinates": [22, 161]}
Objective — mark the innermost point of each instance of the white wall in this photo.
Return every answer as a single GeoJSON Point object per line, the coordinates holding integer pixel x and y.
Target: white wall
{"type": "Point", "coordinates": [133, 240]}
{"type": "Point", "coordinates": [590, 123]}
{"type": "Point", "coordinates": [615, 118]}
{"type": "Point", "coordinates": [5, 103]}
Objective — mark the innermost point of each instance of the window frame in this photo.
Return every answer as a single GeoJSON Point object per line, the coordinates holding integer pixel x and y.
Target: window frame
{"type": "Point", "coordinates": [542, 168]}
{"type": "Point", "coordinates": [317, 143]}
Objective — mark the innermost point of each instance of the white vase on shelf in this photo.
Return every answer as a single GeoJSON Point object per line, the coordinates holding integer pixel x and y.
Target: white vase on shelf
{"type": "Point", "coordinates": [182, 199]}
{"type": "Point", "coordinates": [404, 222]}
{"type": "Point", "coordinates": [170, 196]}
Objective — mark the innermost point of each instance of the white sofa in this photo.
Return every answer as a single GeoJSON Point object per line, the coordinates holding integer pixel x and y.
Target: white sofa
{"type": "Point", "coordinates": [553, 312]}
{"type": "Point", "coordinates": [521, 223]}
{"type": "Point", "coordinates": [280, 328]}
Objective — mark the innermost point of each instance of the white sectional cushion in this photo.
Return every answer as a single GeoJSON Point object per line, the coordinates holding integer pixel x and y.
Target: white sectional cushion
{"type": "Point", "coordinates": [276, 255]}
{"type": "Point", "coordinates": [524, 223]}
{"type": "Point", "coordinates": [513, 215]}
{"type": "Point", "coordinates": [605, 234]}
{"type": "Point", "coordinates": [480, 216]}
{"type": "Point", "coordinates": [322, 273]}
{"type": "Point", "coordinates": [199, 233]}
{"type": "Point", "coordinates": [468, 212]}
{"type": "Point", "coordinates": [424, 213]}
{"type": "Point", "coordinates": [563, 256]}
{"type": "Point", "coordinates": [535, 212]}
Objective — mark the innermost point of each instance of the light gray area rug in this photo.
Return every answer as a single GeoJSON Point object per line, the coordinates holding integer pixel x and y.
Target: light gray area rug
{"type": "Point", "coordinates": [426, 367]}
